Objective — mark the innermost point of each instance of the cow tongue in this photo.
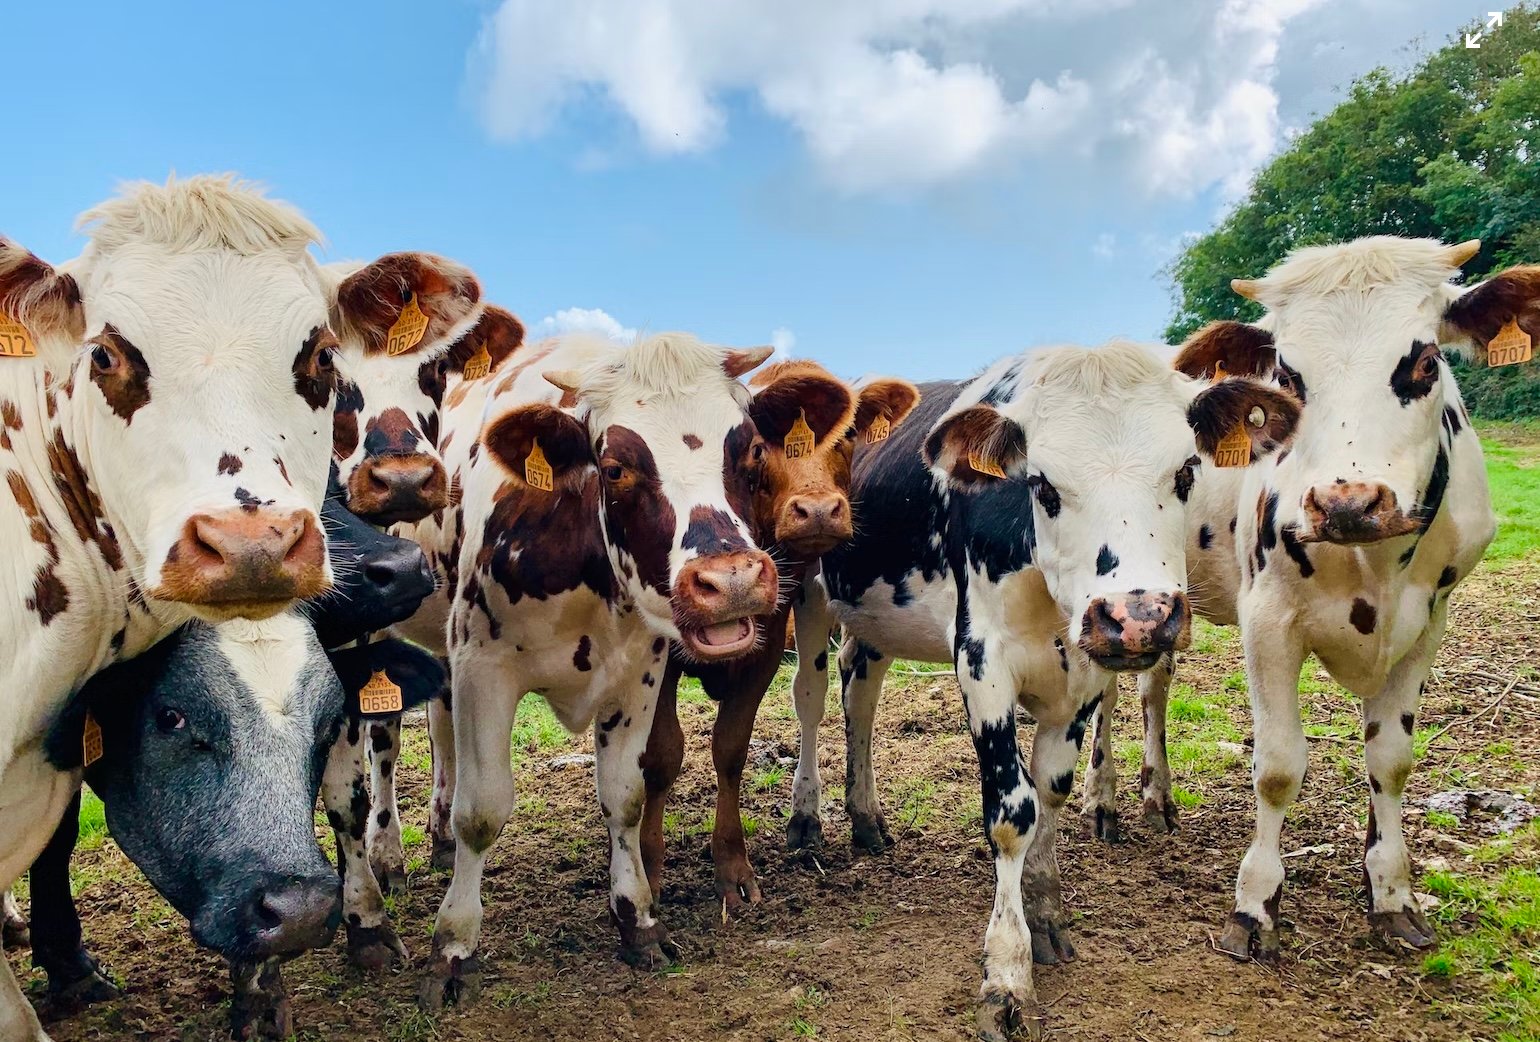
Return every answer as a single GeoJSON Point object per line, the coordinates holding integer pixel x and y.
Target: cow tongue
{"type": "Point", "coordinates": [729, 632]}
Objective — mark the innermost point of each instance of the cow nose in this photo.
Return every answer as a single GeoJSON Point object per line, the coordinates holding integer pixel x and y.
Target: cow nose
{"type": "Point", "coordinates": [812, 524]}
{"type": "Point", "coordinates": [1132, 630]}
{"type": "Point", "coordinates": [398, 488]}
{"type": "Point", "coordinates": [1354, 512]}
{"type": "Point", "coordinates": [290, 915]}
{"type": "Point", "coordinates": [400, 576]}
{"type": "Point", "coordinates": [253, 558]}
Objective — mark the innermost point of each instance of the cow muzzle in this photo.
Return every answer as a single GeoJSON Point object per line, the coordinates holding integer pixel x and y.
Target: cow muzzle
{"type": "Point", "coordinates": [717, 599]}
{"type": "Point", "coordinates": [1350, 512]}
{"type": "Point", "coordinates": [289, 915]}
{"type": "Point", "coordinates": [249, 562]}
{"type": "Point", "coordinates": [812, 524]}
{"type": "Point", "coordinates": [391, 489]}
{"type": "Point", "coordinates": [1131, 631]}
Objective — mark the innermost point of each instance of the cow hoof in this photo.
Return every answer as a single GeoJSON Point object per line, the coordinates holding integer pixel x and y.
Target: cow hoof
{"type": "Point", "coordinates": [649, 948]}
{"type": "Point", "coordinates": [261, 1016]}
{"type": "Point", "coordinates": [804, 832]}
{"type": "Point", "coordinates": [392, 880]}
{"type": "Point", "coordinates": [738, 889]}
{"type": "Point", "coordinates": [375, 948]}
{"type": "Point", "coordinates": [14, 935]}
{"type": "Point", "coordinates": [1160, 817]}
{"type": "Point", "coordinates": [1105, 823]}
{"type": "Point", "coordinates": [450, 982]}
{"type": "Point", "coordinates": [1408, 926]}
{"type": "Point", "coordinates": [1244, 938]}
{"type": "Point", "coordinates": [84, 991]}
{"type": "Point", "coordinates": [1003, 1017]}
{"type": "Point", "coordinates": [869, 833]}
{"type": "Point", "coordinates": [1050, 942]}
{"type": "Point", "coordinates": [443, 858]}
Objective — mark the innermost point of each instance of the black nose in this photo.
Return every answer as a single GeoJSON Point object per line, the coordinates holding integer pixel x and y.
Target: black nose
{"type": "Point", "coordinates": [287, 915]}
{"type": "Point", "coordinates": [400, 576]}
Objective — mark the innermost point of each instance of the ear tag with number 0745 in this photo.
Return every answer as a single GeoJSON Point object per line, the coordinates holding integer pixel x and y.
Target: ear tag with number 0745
{"type": "Point", "coordinates": [879, 430]}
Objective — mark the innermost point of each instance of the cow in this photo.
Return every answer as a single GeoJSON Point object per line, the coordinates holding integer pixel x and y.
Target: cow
{"type": "Point", "coordinates": [1349, 545]}
{"type": "Point", "coordinates": [1026, 525]}
{"type": "Point", "coordinates": [810, 422]}
{"type": "Point", "coordinates": [585, 541]}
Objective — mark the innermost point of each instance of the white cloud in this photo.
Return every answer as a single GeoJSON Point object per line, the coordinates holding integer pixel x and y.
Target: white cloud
{"type": "Point", "coordinates": [783, 340]}
{"type": "Point", "coordinates": [588, 320]}
{"type": "Point", "coordinates": [906, 94]}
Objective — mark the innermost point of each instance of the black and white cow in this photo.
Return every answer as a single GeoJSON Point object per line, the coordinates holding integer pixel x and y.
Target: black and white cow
{"type": "Point", "coordinates": [1041, 551]}
{"type": "Point", "coordinates": [585, 542]}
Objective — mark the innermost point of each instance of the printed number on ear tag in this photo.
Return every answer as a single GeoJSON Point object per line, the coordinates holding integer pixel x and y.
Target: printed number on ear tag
{"type": "Point", "coordinates": [1234, 449]}
{"type": "Point", "coordinates": [799, 440]}
{"type": "Point", "coordinates": [408, 330]}
{"type": "Point", "coordinates": [985, 466]}
{"type": "Point", "coordinates": [15, 341]}
{"type": "Point", "coordinates": [537, 472]}
{"type": "Point", "coordinates": [380, 695]}
{"type": "Point", "coordinates": [479, 365]}
{"type": "Point", "coordinates": [1510, 346]}
{"type": "Point", "coordinates": [91, 742]}
{"type": "Point", "coordinates": [879, 430]}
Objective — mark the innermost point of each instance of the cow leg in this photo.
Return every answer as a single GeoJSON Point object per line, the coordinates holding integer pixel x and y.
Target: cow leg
{"type": "Point", "coordinates": [1156, 803]}
{"type": "Point", "coordinates": [1278, 771]}
{"type": "Point", "coordinates": [862, 668]}
{"type": "Point", "coordinates": [1099, 798]}
{"type": "Point", "coordinates": [1055, 751]}
{"type": "Point", "coordinates": [441, 743]}
{"type": "Point", "coordinates": [14, 933]}
{"type": "Point", "coordinates": [387, 857]}
{"type": "Point", "coordinates": [486, 697]}
{"type": "Point", "coordinates": [259, 1001]}
{"type": "Point", "coordinates": [18, 1022]}
{"type": "Point", "coordinates": [810, 693]}
{"type": "Point", "coordinates": [1389, 718]}
{"type": "Point", "coordinates": [372, 943]}
{"type": "Point", "coordinates": [739, 693]}
{"type": "Point", "coordinates": [661, 764]}
{"type": "Point", "coordinates": [74, 978]}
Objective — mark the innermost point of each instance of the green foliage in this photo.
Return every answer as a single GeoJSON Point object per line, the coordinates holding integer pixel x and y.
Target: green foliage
{"type": "Point", "coordinates": [1513, 474]}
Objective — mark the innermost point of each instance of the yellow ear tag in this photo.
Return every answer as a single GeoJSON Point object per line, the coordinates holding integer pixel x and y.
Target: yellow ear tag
{"type": "Point", "coordinates": [537, 472]}
{"type": "Point", "coordinates": [1510, 346]}
{"type": "Point", "coordinates": [1219, 371]}
{"type": "Point", "coordinates": [879, 430]}
{"type": "Point", "coordinates": [15, 341]}
{"type": "Point", "coordinates": [408, 330]}
{"type": "Point", "coordinates": [799, 440]}
{"type": "Point", "coordinates": [985, 466]}
{"type": "Point", "coordinates": [380, 695]}
{"type": "Point", "coordinates": [1234, 449]}
{"type": "Point", "coordinates": [91, 742]}
{"type": "Point", "coordinates": [479, 365]}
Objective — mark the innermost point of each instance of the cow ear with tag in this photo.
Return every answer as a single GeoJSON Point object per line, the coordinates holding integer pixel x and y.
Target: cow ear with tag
{"type": "Point", "coordinates": [1236, 348]}
{"type": "Point", "coordinates": [41, 315]}
{"type": "Point", "coordinates": [797, 405]}
{"type": "Point", "coordinates": [975, 448]}
{"type": "Point", "coordinates": [545, 449]}
{"type": "Point", "coordinates": [495, 336]}
{"type": "Point", "coordinates": [882, 405]}
{"type": "Point", "coordinates": [388, 672]}
{"type": "Point", "coordinates": [407, 303]}
{"type": "Point", "coordinates": [102, 715]}
{"type": "Point", "coordinates": [1238, 421]}
{"type": "Point", "coordinates": [1496, 321]}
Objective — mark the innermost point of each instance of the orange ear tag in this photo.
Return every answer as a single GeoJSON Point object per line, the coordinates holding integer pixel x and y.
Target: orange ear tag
{"type": "Point", "coordinates": [1510, 346]}
{"type": "Point", "coordinates": [799, 440]}
{"type": "Point", "coordinates": [1219, 372]}
{"type": "Point", "coordinates": [380, 695]}
{"type": "Point", "coordinates": [1234, 449]}
{"type": "Point", "coordinates": [537, 472]}
{"type": "Point", "coordinates": [91, 742]}
{"type": "Point", "coordinates": [879, 430]}
{"type": "Point", "coordinates": [15, 341]}
{"type": "Point", "coordinates": [479, 365]}
{"type": "Point", "coordinates": [408, 330]}
{"type": "Point", "coordinates": [985, 466]}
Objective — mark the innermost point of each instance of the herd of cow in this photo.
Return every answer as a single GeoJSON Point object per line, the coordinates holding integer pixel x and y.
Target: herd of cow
{"type": "Point", "coordinates": [233, 469]}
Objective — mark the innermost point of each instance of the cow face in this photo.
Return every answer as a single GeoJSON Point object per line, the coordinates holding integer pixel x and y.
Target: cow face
{"type": "Point", "coordinates": [1108, 442]}
{"type": "Point", "coordinates": [194, 369]}
{"type": "Point", "coordinates": [810, 422]}
{"type": "Point", "coordinates": [666, 426]}
{"type": "Point", "coordinates": [213, 746]}
{"type": "Point", "coordinates": [385, 436]}
{"type": "Point", "coordinates": [1353, 330]}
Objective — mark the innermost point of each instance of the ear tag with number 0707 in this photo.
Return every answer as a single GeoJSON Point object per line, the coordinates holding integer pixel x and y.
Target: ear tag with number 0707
{"type": "Point", "coordinates": [1511, 346]}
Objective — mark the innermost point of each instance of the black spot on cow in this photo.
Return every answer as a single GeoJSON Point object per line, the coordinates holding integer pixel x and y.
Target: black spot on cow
{"type": "Point", "coordinates": [711, 531]}
{"type": "Point", "coordinates": [1075, 732]}
{"type": "Point", "coordinates": [1106, 560]}
{"type": "Point", "coordinates": [1289, 535]}
{"type": "Point", "coordinates": [1267, 532]}
{"type": "Point", "coordinates": [973, 652]}
{"type": "Point", "coordinates": [1372, 731]}
{"type": "Point", "coordinates": [1362, 616]}
{"type": "Point", "coordinates": [1096, 755]}
{"type": "Point", "coordinates": [1063, 783]}
{"type": "Point", "coordinates": [901, 593]}
{"type": "Point", "coordinates": [379, 738]}
{"type": "Point", "coordinates": [1452, 422]}
{"type": "Point", "coordinates": [250, 503]}
{"type": "Point", "coordinates": [1447, 576]}
{"type": "Point", "coordinates": [1289, 379]}
{"type": "Point", "coordinates": [1205, 537]}
{"type": "Point", "coordinates": [1232, 524]}
{"type": "Point", "coordinates": [1001, 771]}
{"type": "Point", "coordinates": [1185, 476]}
{"type": "Point", "coordinates": [580, 656]}
{"type": "Point", "coordinates": [821, 662]}
{"type": "Point", "coordinates": [1433, 497]}
{"type": "Point", "coordinates": [1374, 783]}
{"type": "Point", "coordinates": [648, 680]}
{"type": "Point", "coordinates": [1407, 555]}
{"type": "Point", "coordinates": [1413, 378]}
{"type": "Point", "coordinates": [382, 818]}
{"type": "Point", "coordinates": [1047, 495]}
{"type": "Point", "coordinates": [658, 646]}
{"type": "Point", "coordinates": [1063, 655]}
{"type": "Point", "coordinates": [611, 722]}
{"type": "Point", "coordinates": [1408, 721]}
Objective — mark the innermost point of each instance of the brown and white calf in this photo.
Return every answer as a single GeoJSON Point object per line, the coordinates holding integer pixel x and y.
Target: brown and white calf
{"type": "Point", "coordinates": [1349, 545]}
{"type": "Point", "coordinates": [810, 422]}
{"type": "Point", "coordinates": [585, 541]}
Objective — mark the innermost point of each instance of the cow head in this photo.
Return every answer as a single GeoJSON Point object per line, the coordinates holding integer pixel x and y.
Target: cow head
{"type": "Point", "coordinates": [193, 362]}
{"type": "Point", "coordinates": [663, 427]}
{"type": "Point", "coordinates": [810, 421]}
{"type": "Point", "coordinates": [1353, 330]}
{"type": "Point", "coordinates": [1107, 441]}
{"type": "Point", "coordinates": [385, 435]}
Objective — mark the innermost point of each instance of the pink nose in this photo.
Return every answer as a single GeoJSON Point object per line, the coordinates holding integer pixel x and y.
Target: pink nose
{"type": "Point", "coordinates": [1131, 630]}
{"type": "Point", "coordinates": [248, 555]}
{"type": "Point", "coordinates": [1354, 512]}
{"type": "Point", "coordinates": [398, 488]}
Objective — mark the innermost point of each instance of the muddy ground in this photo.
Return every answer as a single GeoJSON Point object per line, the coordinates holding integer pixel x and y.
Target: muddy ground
{"type": "Point", "coordinates": [888, 947]}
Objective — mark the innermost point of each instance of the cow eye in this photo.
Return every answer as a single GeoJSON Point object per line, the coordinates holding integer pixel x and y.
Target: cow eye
{"type": "Point", "coordinates": [102, 360]}
{"type": "Point", "coordinates": [326, 360]}
{"type": "Point", "coordinates": [1427, 365]}
{"type": "Point", "coordinates": [168, 720]}
{"type": "Point", "coordinates": [614, 472]}
{"type": "Point", "coordinates": [757, 453]}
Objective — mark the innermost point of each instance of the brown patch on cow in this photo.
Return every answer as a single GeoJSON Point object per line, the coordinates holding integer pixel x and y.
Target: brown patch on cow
{"type": "Point", "coordinates": [350, 400]}
{"type": "Point", "coordinates": [37, 296]}
{"type": "Point", "coordinates": [640, 520]}
{"type": "Point", "coordinates": [315, 374]}
{"type": "Point", "coordinates": [1512, 295]}
{"type": "Point", "coordinates": [693, 442]}
{"type": "Point", "coordinates": [1241, 348]}
{"type": "Point", "coordinates": [229, 463]}
{"type": "Point", "coordinates": [498, 330]}
{"type": "Point", "coordinates": [50, 597]}
{"type": "Point", "coordinates": [518, 554]}
{"type": "Point", "coordinates": [535, 355]}
{"type": "Point", "coordinates": [370, 300]}
{"type": "Point", "coordinates": [10, 420]}
{"type": "Point", "coordinates": [81, 502]}
{"type": "Point", "coordinates": [1274, 788]}
{"type": "Point", "coordinates": [391, 433]}
{"type": "Point", "coordinates": [1362, 616]}
{"type": "Point", "coordinates": [125, 383]}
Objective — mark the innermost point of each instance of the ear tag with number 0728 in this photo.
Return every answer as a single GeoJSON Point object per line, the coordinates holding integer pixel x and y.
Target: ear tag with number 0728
{"type": "Point", "coordinates": [480, 364]}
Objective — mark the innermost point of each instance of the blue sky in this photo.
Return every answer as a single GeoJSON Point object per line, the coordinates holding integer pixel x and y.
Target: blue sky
{"type": "Point", "coordinates": [909, 186]}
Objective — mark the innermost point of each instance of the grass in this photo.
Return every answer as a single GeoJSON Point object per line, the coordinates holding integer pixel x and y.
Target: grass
{"type": "Point", "coordinates": [1513, 473]}
{"type": "Point", "coordinates": [93, 821]}
{"type": "Point", "coordinates": [536, 729]}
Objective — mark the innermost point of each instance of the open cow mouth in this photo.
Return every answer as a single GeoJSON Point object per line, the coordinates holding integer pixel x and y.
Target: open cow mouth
{"type": "Point", "coordinates": [722, 639]}
{"type": "Point", "coordinates": [1126, 663]}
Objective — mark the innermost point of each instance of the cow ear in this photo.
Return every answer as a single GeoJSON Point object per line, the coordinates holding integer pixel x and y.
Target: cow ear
{"type": "Point", "coordinates": [370, 302]}
{"type": "Point", "coordinates": [1476, 314]}
{"type": "Point", "coordinates": [885, 399]}
{"type": "Point", "coordinates": [1241, 348]}
{"type": "Point", "coordinates": [43, 302]}
{"type": "Point", "coordinates": [802, 392]}
{"type": "Point", "coordinates": [419, 675]}
{"type": "Point", "coordinates": [739, 360]}
{"type": "Point", "coordinates": [976, 447]}
{"type": "Point", "coordinates": [1267, 414]}
{"type": "Point", "coordinates": [499, 332]}
{"type": "Point", "coordinates": [540, 445]}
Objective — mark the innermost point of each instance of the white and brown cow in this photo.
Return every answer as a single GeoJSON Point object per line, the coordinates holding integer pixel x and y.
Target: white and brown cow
{"type": "Point", "coordinates": [1349, 544]}
{"type": "Point", "coordinates": [586, 541]}
{"type": "Point", "coordinates": [1041, 553]}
